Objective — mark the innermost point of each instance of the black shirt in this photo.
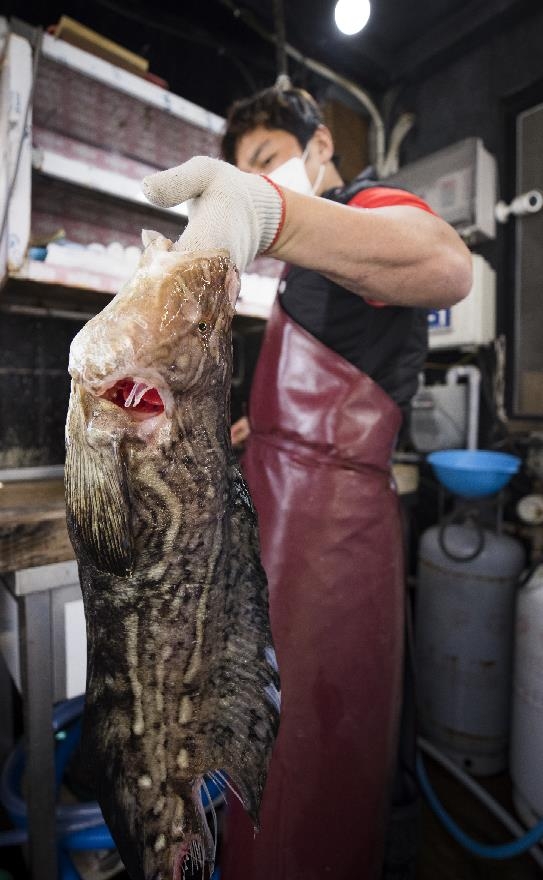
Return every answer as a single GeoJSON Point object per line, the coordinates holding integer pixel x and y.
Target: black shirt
{"type": "Point", "coordinates": [388, 343]}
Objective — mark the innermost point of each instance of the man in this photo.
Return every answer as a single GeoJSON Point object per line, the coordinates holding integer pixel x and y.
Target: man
{"type": "Point", "coordinates": [339, 363]}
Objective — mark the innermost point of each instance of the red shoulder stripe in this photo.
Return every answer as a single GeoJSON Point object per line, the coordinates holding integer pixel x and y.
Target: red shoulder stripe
{"type": "Point", "coordinates": [385, 196]}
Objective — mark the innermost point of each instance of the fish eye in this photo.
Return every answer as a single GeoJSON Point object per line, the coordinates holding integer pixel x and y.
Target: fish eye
{"type": "Point", "coordinates": [202, 326]}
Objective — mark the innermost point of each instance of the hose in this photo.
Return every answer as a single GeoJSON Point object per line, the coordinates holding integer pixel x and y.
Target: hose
{"type": "Point", "coordinates": [70, 817]}
{"type": "Point", "coordinates": [81, 825]}
{"type": "Point", "coordinates": [486, 851]}
{"type": "Point", "coordinates": [481, 793]}
{"type": "Point", "coordinates": [67, 871]}
{"type": "Point", "coordinates": [90, 838]}
{"type": "Point", "coordinates": [14, 837]}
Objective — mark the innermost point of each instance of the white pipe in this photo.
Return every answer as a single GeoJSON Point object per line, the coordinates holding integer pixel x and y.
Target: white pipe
{"type": "Point", "coordinates": [473, 375]}
{"type": "Point", "coordinates": [527, 203]}
{"type": "Point", "coordinates": [401, 128]}
{"type": "Point", "coordinates": [481, 793]}
{"type": "Point", "coordinates": [356, 92]}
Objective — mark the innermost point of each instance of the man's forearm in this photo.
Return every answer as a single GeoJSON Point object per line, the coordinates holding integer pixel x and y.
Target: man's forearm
{"type": "Point", "coordinates": [400, 255]}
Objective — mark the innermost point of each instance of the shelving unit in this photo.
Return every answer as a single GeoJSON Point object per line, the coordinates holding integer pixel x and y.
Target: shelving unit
{"type": "Point", "coordinates": [78, 156]}
{"type": "Point", "coordinates": [75, 144]}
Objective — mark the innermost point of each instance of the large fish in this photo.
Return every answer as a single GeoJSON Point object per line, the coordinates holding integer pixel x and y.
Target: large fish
{"type": "Point", "coordinates": [182, 679]}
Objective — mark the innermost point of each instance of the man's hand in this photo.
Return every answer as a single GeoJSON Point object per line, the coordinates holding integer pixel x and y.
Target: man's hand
{"type": "Point", "coordinates": [239, 431]}
{"type": "Point", "coordinates": [229, 209]}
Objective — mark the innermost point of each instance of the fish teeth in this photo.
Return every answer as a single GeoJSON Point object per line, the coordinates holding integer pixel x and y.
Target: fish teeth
{"type": "Point", "coordinates": [137, 392]}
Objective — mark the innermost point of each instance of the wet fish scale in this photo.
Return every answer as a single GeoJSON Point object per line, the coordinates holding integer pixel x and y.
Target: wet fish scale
{"type": "Point", "coordinates": [181, 677]}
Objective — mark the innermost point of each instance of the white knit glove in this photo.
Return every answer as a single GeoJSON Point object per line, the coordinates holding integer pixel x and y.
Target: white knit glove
{"type": "Point", "coordinates": [229, 209]}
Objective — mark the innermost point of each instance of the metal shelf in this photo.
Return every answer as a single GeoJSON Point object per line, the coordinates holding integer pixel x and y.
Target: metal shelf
{"type": "Point", "coordinates": [120, 80]}
{"type": "Point", "coordinates": [68, 276]}
{"type": "Point", "coordinates": [89, 176]}
{"type": "Point", "coordinates": [255, 300]}
{"type": "Point", "coordinates": [96, 130]}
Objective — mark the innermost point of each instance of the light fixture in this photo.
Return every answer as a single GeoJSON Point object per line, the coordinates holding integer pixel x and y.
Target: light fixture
{"type": "Point", "coordinates": [352, 15]}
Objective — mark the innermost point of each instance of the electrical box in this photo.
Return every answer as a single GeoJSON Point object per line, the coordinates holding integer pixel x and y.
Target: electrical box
{"type": "Point", "coordinates": [459, 184]}
{"type": "Point", "coordinates": [472, 321]}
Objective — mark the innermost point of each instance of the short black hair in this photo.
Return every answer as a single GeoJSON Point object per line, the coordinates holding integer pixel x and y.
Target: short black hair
{"type": "Point", "coordinates": [290, 109]}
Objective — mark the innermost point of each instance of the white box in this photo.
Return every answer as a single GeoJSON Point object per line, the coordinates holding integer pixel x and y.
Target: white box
{"type": "Point", "coordinates": [19, 68]}
{"type": "Point", "coordinates": [459, 183]}
{"type": "Point", "coordinates": [472, 321]}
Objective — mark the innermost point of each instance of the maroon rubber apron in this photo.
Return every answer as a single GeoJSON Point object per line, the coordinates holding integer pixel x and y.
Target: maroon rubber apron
{"type": "Point", "coordinates": [318, 467]}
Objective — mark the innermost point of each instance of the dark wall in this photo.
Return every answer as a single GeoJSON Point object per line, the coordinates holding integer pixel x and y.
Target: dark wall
{"type": "Point", "coordinates": [475, 96]}
{"type": "Point", "coordinates": [467, 97]}
{"type": "Point", "coordinates": [480, 94]}
{"type": "Point", "coordinates": [34, 389]}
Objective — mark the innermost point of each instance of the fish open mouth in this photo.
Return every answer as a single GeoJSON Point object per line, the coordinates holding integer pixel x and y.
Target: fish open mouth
{"type": "Point", "coordinates": [135, 396]}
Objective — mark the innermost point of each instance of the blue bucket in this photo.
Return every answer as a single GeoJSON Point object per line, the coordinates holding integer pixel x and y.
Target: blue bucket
{"type": "Point", "coordinates": [473, 473]}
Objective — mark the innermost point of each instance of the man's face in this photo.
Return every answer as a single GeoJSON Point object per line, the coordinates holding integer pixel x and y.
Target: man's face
{"type": "Point", "coordinates": [262, 150]}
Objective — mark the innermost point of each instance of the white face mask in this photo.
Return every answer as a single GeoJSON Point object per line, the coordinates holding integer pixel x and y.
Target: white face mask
{"type": "Point", "coordinates": [293, 175]}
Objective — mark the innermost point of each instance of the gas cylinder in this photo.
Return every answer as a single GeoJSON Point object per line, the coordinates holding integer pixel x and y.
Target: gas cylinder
{"type": "Point", "coordinates": [527, 705]}
{"type": "Point", "coordinates": [466, 584]}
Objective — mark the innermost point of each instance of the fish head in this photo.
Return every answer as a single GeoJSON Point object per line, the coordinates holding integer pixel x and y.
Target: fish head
{"type": "Point", "coordinates": [166, 333]}
{"type": "Point", "coordinates": [151, 369]}
{"type": "Point", "coordinates": [164, 338]}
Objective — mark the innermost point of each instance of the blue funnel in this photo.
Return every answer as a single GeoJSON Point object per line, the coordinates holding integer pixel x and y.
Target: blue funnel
{"type": "Point", "coordinates": [473, 473]}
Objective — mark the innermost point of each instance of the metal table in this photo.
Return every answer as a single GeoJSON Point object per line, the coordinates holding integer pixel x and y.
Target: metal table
{"type": "Point", "coordinates": [38, 576]}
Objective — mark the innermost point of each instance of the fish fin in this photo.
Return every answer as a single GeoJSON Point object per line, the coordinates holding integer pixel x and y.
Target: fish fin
{"type": "Point", "coordinates": [247, 683]}
{"type": "Point", "coordinates": [97, 498]}
{"type": "Point", "coordinates": [232, 284]}
{"type": "Point", "coordinates": [243, 789]}
{"type": "Point", "coordinates": [150, 236]}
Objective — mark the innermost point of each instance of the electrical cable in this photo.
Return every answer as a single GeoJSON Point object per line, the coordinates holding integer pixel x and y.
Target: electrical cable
{"type": "Point", "coordinates": [499, 380]}
{"type": "Point", "coordinates": [280, 33]}
{"type": "Point", "coordinates": [186, 32]}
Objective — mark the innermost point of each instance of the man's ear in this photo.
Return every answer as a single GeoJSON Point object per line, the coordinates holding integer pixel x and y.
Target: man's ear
{"type": "Point", "coordinates": [324, 142]}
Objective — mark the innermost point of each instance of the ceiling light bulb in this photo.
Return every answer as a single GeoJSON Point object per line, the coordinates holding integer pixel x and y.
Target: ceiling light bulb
{"type": "Point", "coordinates": [352, 15]}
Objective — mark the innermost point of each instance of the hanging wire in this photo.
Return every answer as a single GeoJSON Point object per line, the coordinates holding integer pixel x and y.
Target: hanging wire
{"type": "Point", "coordinates": [280, 38]}
{"type": "Point", "coordinates": [246, 16]}
{"type": "Point", "coordinates": [183, 30]}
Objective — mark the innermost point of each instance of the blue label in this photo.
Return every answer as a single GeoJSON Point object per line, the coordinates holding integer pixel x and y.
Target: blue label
{"type": "Point", "coordinates": [439, 319]}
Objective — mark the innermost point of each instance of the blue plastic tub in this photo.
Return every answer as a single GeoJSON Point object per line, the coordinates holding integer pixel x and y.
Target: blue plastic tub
{"type": "Point", "coordinates": [473, 473]}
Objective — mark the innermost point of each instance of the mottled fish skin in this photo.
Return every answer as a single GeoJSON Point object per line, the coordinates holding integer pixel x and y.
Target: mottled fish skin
{"type": "Point", "coordinates": [181, 677]}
